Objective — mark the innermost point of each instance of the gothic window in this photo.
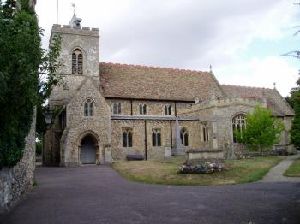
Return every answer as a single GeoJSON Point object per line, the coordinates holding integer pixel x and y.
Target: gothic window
{"type": "Point", "coordinates": [156, 137]}
{"type": "Point", "coordinates": [116, 108]}
{"type": "Point", "coordinates": [205, 132]}
{"type": "Point", "coordinates": [168, 109]}
{"type": "Point", "coordinates": [184, 137]}
{"type": "Point", "coordinates": [127, 137]}
{"type": "Point", "coordinates": [143, 109]}
{"type": "Point", "coordinates": [88, 108]}
{"type": "Point", "coordinates": [238, 126]}
{"type": "Point", "coordinates": [77, 62]}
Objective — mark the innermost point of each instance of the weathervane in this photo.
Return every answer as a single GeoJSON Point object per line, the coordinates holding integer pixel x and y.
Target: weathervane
{"type": "Point", "coordinates": [210, 69]}
{"type": "Point", "coordinates": [57, 12]}
{"type": "Point", "coordinates": [73, 5]}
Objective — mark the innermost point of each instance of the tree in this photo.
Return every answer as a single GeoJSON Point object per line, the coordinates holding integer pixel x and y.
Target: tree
{"type": "Point", "coordinates": [22, 62]}
{"type": "Point", "coordinates": [295, 132]}
{"type": "Point", "coordinates": [262, 130]}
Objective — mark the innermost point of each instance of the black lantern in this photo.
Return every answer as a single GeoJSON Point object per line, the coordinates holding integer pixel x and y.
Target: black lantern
{"type": "Point", "coordinates": [48, 115]}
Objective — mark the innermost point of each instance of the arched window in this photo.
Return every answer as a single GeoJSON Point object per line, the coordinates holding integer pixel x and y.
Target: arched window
{"type": "Point", "coordinates": [238, 126]}
{"type": "Point", "coordinates": [143, 109]}
{"type": "Point", "coordinates": [168, 109]}
{"type": "Point", "coordinates": [156, 137]}
{"type": "Point", "coordinates": [77, 62]}
{"type": "Point", "coordinates": [205, 132]}
{"type": "Point", "coordinates": [184, 137]}
{"type": "Point", "coordinates": [116, 108]}
{"type": "Point", "coordinates": [127, 137]}
{"type": "Point", "coordinates": [88, 108]}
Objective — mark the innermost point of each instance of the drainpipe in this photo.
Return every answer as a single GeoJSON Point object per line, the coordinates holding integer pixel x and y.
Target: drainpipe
{"type": "Point", "coordinates": [171, 134]}
{"type": "Point", "coordinates": [146, 149]}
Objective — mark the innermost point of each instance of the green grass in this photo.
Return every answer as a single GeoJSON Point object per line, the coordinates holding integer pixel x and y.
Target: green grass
{"type": "Point", "coordinates": [294, 169]}
{"type": "Point", "coordinates": [165, 172]}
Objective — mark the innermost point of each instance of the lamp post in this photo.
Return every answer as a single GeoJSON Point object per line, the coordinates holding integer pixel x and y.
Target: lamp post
{"type": "Point", "coordinates": [48, 120]}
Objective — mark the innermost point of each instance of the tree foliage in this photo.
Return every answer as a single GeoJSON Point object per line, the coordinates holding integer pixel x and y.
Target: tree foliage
{"type": "Point", "coordinates": [295, 132]}
{"type": "Point", "coordinates": [262, 130]}
{"type": "Point", "coordinates": [21, 62]}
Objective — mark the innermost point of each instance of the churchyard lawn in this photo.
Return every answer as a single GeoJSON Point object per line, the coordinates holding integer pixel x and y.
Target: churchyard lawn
{"type": "Point", "coordinates": [294, 169]}
{"type": "Point", "coordinates": [165, 172]}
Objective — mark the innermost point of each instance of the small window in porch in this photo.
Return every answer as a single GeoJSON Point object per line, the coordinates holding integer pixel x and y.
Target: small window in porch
{"type": "Point", "coordinates": [88, 108]}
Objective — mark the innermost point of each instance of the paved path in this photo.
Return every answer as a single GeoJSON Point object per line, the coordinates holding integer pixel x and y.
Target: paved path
{"type": "Point", "coordinates": [276, 173]}
{"type": "Point", "coordinates": [89, 195]}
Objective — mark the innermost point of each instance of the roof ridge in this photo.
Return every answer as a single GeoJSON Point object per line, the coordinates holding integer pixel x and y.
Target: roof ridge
{"type": "Point", "coordinates": [248, 87]}
{"type": "Point", "coordinates": [152, 67]}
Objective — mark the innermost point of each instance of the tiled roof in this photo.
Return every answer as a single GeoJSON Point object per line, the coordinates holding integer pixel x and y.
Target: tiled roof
{"type": "Point", "coordinates": [274, 100]}
{"type": "Point", "coordinates": [141, 82]}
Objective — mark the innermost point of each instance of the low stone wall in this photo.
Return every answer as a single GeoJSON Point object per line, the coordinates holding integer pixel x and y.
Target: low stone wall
{"type": "Point", "coordinates": [205, 154]}
{"type": "Point", "coordinates": [14, 182]}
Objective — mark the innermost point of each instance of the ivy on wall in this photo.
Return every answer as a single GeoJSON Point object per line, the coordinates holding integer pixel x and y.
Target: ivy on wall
{"type": "Point", "coordinates": [22, 61]}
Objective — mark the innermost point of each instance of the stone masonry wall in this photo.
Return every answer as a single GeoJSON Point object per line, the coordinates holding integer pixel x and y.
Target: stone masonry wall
{"type": "Point", "coordinates": [153, 107]}
{"type": "Point", "coordinates": [79, 125]}
{"type": "Point", "coordinates": [85, 39]}
{"type": "Point", "coordinates": [16, 181]}
{"type": "Point", "coordinates": [168, 137]}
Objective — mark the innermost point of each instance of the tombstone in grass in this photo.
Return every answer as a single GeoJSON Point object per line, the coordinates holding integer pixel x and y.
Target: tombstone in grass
{"type": "Point", "coordinates": [168, 151]}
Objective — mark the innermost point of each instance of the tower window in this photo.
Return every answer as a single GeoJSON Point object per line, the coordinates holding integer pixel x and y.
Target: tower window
{"type": "Point", "coordinates": [77, 62]}
{"type": "Point", "coordinates": [184, 137]}
{"type": "Point", "coordinates": [88, 108]}
{"type": "Point", "coordinates": [156, 137]}
{"type": "Point", "coordinates": [127, 137]}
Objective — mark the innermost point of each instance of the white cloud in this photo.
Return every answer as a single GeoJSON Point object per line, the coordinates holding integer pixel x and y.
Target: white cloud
{"type": "Point", "coordinates": [186, 33]}
{"type": "Point", "coordinates": [260, 73]}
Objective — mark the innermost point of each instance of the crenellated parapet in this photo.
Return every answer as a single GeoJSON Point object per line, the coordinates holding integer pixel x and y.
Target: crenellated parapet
{"type": "Point", "coordinates": [67, 29]}
{"type": "Point", "coordinates": [218, 103]}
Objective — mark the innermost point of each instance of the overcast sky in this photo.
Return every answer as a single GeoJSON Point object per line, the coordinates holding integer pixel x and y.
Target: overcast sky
{"type": "Point", "coordinates": [243, 40]}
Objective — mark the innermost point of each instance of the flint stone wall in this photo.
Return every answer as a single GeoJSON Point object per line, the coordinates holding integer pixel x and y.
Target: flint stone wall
{"type": "Point", "coordinates": [16, 181]}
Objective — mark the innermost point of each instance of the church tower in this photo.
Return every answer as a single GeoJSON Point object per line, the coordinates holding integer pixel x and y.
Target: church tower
{"type": "Point", "coordinates": [79, 57]}
{"type": "Point", "coordinates": [80, 131]}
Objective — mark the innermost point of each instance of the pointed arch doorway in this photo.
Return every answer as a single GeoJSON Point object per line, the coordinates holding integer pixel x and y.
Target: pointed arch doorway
{"type": "Point", "coordinates": [89, 148]}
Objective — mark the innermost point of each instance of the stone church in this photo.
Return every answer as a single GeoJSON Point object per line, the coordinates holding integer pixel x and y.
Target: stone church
{"type": "Point", "coordinates": [104, 112]}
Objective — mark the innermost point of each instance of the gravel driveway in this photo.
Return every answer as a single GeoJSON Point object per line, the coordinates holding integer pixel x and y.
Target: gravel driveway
{"type": "Point", "coordinates": [97, 194]}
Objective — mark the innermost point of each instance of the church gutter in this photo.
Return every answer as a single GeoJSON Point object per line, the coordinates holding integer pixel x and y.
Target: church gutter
{"type": "Point", "coordinates": [153, 118]}
{"type": "Point", "coordinates": [149, 99]}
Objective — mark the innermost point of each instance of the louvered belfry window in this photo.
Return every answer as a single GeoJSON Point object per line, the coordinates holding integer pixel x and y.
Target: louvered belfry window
{"type": "Point", "coordinates": [77, 62]}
